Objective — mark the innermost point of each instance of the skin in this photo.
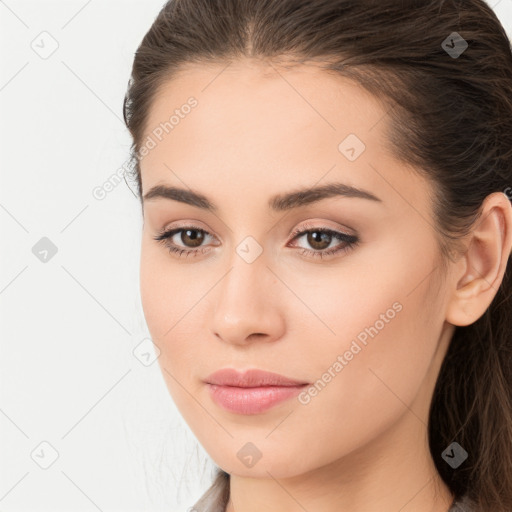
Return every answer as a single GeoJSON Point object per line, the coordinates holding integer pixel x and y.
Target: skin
{"type": "Point", "coordinates": [361, 444]}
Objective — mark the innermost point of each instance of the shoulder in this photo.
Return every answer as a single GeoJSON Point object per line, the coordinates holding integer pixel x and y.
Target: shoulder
{"type": "Point", "coordinates": [216, 497]}
{"type": "Point", "coordinates": [208, 504]}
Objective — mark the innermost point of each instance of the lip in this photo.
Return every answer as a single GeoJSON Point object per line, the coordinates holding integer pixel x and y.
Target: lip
{"type": "Point", "coordinates": [250, 378]}
{"type": "Point", "coordinates": [251, 392]}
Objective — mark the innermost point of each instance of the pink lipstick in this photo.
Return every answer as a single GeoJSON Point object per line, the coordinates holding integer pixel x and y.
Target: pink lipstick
{"type": "Point", "coordinates": [251, 392]}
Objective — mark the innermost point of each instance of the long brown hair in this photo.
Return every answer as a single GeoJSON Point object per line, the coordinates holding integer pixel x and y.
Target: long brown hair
{"type": "Point", "coordinates": [450, 115]}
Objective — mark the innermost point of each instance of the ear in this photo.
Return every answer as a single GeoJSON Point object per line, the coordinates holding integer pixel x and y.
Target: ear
{"type": "Point", "coordinates": [479, 272]}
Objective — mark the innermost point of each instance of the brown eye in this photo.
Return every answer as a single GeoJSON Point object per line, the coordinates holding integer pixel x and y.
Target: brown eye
{"type": "Point", "coordinates": [319, 240]}
{"type": "Point", "coordinates": [192, 237]}
{"type": "Point", "coordinates": [184, 241]}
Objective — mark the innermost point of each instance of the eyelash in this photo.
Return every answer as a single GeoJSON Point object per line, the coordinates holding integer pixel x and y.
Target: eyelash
{"type": "Point", "coordinates": [350, 241]}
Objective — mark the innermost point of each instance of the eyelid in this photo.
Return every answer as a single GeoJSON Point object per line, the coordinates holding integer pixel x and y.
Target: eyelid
{"type": "Point", "coordinates": [320, 225]}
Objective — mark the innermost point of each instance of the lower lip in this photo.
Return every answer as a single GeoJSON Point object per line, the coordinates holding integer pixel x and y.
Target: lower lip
{"type": "Point", "coordinates": [251, 400]}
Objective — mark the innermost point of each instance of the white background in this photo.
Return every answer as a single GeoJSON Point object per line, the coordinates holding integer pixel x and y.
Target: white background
{"type": "Point", "coordinates": [68, 376]}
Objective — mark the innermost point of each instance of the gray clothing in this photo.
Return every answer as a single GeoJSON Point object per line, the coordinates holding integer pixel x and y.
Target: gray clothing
{"type": "Point", "coordinates": [215, 499]}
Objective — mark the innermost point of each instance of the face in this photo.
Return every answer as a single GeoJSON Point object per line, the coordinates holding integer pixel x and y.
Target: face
{"type": "Point", "coordinates": [341, 291]}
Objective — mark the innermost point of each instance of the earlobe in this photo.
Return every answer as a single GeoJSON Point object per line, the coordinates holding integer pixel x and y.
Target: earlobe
{"type": "Point", "coordinates": [483, 264]}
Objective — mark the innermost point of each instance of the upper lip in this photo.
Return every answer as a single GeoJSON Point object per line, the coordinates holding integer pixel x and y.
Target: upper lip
{"type": "Point", "coordinates": [250, 378]}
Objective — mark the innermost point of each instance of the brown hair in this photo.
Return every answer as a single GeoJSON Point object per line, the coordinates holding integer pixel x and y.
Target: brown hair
{"type": "Point", "coordinates": [450, 116]}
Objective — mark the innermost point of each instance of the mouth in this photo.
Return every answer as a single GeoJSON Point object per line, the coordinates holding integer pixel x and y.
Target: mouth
{"type": "Point", "coordinates": [251, 392]}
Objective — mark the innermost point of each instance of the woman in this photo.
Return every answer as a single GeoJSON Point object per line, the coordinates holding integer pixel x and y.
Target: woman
{"type": "Point", "coordinates": [325, 187]}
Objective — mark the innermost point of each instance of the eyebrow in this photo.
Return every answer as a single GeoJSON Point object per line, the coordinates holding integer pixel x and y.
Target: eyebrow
{"type": "Point", "coordinates": [279, 202]}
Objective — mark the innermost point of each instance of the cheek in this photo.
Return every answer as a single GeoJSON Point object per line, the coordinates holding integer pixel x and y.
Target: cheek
{"type": "Point", "coordinates": [386, 329]}
{"type": "Point", "coordinates": [152, 291]}
{"type": "Point", "coordinates": [167, 289]}
{"type": "Point", "coordinates": [161, 297]}
{"type": "Point", "coordinates": [171, 301]}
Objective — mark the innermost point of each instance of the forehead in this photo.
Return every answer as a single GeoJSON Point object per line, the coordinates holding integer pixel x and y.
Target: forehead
{"type": "Point", "coordinates": [257, 123]}
{"type": "Point", "coordinates": [264, 97]}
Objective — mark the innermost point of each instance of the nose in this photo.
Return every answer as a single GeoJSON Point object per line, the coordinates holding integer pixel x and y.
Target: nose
{"type": "Point", "coordinates": [247, 305]}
